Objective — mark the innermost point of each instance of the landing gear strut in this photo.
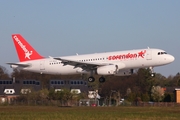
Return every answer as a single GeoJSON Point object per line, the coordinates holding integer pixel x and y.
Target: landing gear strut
{"type": "Point", "coordinates": [152, 71]}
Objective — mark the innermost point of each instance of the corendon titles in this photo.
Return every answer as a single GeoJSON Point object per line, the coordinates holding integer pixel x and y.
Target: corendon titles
{"type": "Point", "coordinates": [127, 56]}
{"type": "Point", "coordinates": [26, 51]}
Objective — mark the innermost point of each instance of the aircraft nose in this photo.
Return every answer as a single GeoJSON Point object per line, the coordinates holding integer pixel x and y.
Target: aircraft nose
{"type": "Point", "coordinates": [171, 58]}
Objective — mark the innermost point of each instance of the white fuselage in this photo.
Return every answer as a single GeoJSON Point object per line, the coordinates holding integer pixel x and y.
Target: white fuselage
{"type": "Point", "coordinates": [131, 59]}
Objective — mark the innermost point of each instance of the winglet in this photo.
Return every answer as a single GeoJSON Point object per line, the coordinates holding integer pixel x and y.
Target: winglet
{"type": "Point", "coordinates": [24, 50]}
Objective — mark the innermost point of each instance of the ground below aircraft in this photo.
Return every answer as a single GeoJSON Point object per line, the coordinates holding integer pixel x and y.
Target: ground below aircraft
{"type": "Point", "coordinates": [118, 63]}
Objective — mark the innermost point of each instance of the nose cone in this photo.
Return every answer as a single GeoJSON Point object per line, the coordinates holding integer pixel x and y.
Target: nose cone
{"type": "Point", "coordinates": [171, 58]}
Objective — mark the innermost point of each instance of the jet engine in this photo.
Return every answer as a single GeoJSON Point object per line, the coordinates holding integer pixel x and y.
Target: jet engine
{"type": "Point", "coordinates": [110, 69]}
{"type": "Point", "coordinates": [107, 70]}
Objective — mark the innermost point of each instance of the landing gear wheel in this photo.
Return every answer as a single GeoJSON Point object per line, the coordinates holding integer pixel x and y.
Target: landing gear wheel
{"type": "Point", "coordinates": [101, 79]}
{"type": "Point", "coordinates": [152, 71]}
{"type": "Point", "coordinates": [153, 74]}
{"type": "Point", "coordinates": [91, 79]}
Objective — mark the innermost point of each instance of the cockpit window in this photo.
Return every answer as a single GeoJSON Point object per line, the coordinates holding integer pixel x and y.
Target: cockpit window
{"type": "Point", "coordinates": [161, 53]}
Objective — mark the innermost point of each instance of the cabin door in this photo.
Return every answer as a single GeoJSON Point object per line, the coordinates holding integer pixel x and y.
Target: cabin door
{"type": "Point", "coordinates": [149, 54]}
{"type": "Point", "coordinates": [42, 65]}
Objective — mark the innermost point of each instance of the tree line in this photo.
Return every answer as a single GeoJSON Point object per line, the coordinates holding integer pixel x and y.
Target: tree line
{"type": "Point", "coordinates": [140, 86]}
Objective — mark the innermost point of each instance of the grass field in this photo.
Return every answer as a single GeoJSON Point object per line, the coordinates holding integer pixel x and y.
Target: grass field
{"type": "Point", "coordinates": [88, 113]}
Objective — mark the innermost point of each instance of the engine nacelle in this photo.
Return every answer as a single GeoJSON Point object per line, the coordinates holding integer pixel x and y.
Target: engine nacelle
{"type": "Point", "coordinates": [120, 66]}
{"type": "Point", "coordinates": [124, 72]}
{"type": "Point", "coordinates": [107, 70]}
{"type": "Point", "coordinates": [80, 70]}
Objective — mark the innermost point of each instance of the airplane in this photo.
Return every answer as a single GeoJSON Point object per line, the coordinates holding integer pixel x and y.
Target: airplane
{"type": "Point", "coordinates": [118, 63]}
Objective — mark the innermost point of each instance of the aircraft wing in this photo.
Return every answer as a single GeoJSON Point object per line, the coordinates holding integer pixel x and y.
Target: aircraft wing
{"type": "Point", "coordinates": [19, 65]}
{"type": "Point", "coordinates": [83, 65]}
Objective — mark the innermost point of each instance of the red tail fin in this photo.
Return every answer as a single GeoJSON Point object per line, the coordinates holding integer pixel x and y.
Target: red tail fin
{"type": "Point", "coordinates": [24, 50]}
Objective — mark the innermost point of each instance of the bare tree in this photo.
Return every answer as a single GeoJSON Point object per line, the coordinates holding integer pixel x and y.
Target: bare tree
{"type": "Point", "coordinates": [4, 73]}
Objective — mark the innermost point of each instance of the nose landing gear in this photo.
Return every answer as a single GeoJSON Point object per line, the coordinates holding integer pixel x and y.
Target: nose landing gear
{"type": "Point", "coordinates": [152, 71]}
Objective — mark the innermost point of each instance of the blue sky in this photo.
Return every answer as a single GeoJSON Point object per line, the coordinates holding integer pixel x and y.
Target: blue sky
{"type": "Point", "coordinates": [67, 27]}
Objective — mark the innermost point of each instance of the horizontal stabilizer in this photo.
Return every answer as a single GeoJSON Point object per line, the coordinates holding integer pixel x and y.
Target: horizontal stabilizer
{"type": "Point", "coordinates": [20, 65]}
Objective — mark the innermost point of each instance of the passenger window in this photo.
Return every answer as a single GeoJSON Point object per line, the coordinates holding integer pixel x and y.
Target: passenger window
{"type": "Point", "coordinates": [59, 82]}
{"type": "Point", "coordinates": [62, 82]}
{"type": "Point", "coordinates": [37, 83]}
{"type": "Point", "coordinates": [55, 82]}
{"type": "Point", "coordinates": [81, 82]}
{"type": "Point", "coordinates": [52, 82]}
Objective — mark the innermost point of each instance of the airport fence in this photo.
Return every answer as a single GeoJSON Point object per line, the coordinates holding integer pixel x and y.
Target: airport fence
{"type": "Point", "coordinates": [41, 103]}
{"type": "Point", "coordinates": [154, 104]}
{"type": "Point", "coordinates": [78, 103]}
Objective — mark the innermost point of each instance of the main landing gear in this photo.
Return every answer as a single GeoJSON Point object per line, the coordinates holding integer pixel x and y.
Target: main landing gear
{"type": "Point", "coordinates": [92, 79]}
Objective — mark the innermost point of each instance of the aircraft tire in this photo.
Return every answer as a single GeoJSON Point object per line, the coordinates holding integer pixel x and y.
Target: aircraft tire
{"type": "Point", "coordinates": [102, 79]}
{"type": "Point", "coordinates": [91, 79]}
{"type": "Point", "coordinates": [153, 74]}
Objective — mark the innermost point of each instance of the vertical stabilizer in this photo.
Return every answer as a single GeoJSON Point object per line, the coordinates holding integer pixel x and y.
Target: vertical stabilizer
{"type": "Point", "coordinates": [24, 50]}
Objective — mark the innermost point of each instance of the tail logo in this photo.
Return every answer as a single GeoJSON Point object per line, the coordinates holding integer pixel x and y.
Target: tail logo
{"type": "Point", "coordinates": [23, 47]}
{"type": "Point", "coordinates": [27, 54]}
